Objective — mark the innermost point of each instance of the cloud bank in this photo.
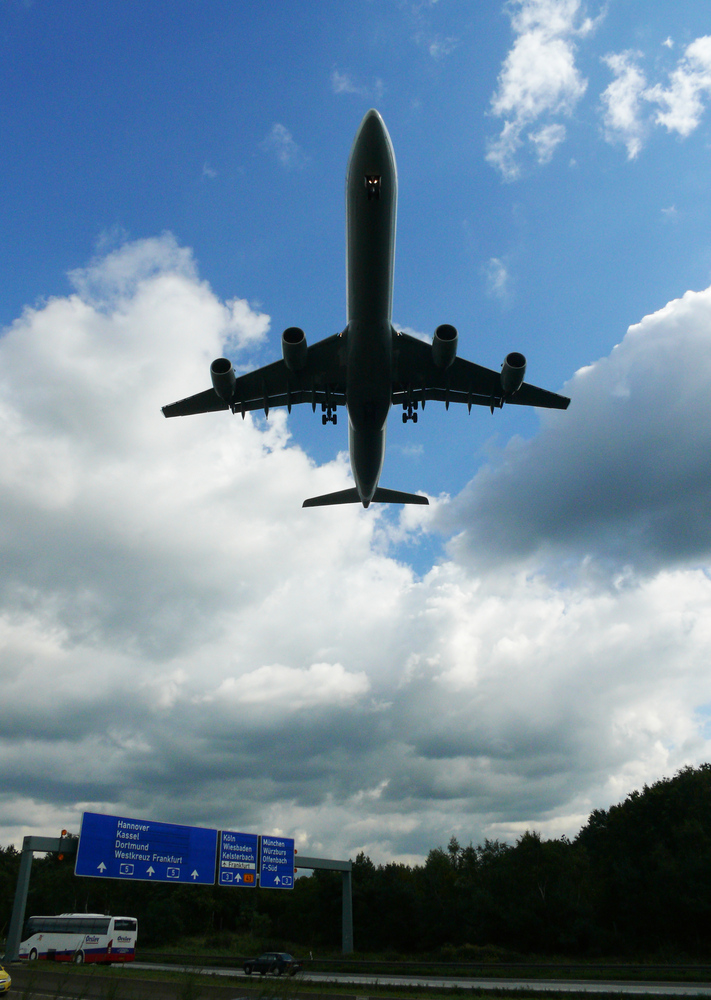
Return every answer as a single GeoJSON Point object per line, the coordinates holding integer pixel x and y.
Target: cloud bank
{"type": "Point", "coordinates": [181, 641]}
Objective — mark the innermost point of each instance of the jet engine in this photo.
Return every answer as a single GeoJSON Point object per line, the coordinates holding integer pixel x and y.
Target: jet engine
{"type": "Point", "coordinates": [444, 345]}
{"type": "Point", "coordinates": [512, 373]}
{"type": "Point", "coordinates": [293, 348]}
{"type": "Point", "coordinates": [223, 378]}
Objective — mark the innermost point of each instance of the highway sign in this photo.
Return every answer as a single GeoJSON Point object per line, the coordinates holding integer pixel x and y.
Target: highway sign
{"type": "Point", "coordinates": [276, 863]}
{"type": "Point", "coordinates": [237, 860]}
{"type": "Point", "coordinates": [115, 847]}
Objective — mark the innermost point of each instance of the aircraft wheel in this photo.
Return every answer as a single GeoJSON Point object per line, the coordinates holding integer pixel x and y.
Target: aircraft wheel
{"type": "Point", "coordinates": [404, 418]}
{"type": "Point", "coordinates": [414, 418]}
{"type": "Point", "coordinates": [323, 419]}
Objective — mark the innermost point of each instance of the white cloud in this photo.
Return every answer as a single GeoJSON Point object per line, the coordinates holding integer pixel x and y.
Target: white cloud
{"type": "Point", "coordinates": [290, 689]}
{"type": "Point", "coordinates": [173, 621]}
{"type": "Point", "coordinates": [344, 83]}
{"type": "Point", "coordinates": [439, 47]}
{"type": "Point", "coordinates": [680, 104]}
{"type": "Point", "coordinates": [538, 78]}
{"type": "Point", "coordinates": [624, 119]}
{"type": "Point", "coordinates": [281, 142]}
{"type": "Point", "coordinates": [546, 140]}
{"type": "Point", "coordinates": [498, 279]}
{"type": "Point", "coordinates": [682, 101]}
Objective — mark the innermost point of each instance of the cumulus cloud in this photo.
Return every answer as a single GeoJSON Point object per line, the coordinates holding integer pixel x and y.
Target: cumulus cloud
{"type": "Point", "coordinates": [539, 79]}
{"type": "Point", "coordinates": [624, 117]}
{"type": "Point", "coordinates": [623, 477]}
{"type": "Point", "coordinates": [629, 103]}
{"type": "Point", "coordinates": [681, 103]}
{"type": "Point", "coordinates": [175, 624]}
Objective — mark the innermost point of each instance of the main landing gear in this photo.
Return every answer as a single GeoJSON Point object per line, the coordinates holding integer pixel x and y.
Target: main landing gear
{"type": "Point", "coordinates": [328, 414]}
{"type": "Point", "coordinates": [409, 412]}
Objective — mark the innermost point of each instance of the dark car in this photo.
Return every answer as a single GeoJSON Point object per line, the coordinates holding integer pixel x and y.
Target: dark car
{"type": "Point", "coordinates": [273, 961]}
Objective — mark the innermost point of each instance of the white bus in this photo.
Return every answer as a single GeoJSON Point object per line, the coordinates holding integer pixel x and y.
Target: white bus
{"type": "Point", "coordinates": [80, 937]}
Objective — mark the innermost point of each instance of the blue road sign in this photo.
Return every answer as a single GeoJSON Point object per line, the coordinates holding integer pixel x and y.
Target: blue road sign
{"type": "Point", "coordinates": [276, 860]}
{"type": "Point", "coordinates": [237, 860]}
{"type": "Point", "coordinates": [114, 847]}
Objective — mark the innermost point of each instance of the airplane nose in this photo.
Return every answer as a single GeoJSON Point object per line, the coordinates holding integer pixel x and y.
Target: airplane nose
{"type": "Point", "coordinates": [372, 145]}
{"type": "Point", "coordinates": [372, 128]}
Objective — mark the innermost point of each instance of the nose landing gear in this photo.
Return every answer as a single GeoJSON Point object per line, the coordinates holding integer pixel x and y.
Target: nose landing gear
{"type": "Point", "coordinates": [328, 414]}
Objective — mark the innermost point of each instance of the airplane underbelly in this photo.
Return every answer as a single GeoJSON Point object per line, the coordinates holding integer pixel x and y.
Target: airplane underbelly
{"type": "Point", "coordinates": [368, 407]}
{"type": "Point", "coordinates": [369, 379]}
{"type": "Point", "coordinates": [367, 450]}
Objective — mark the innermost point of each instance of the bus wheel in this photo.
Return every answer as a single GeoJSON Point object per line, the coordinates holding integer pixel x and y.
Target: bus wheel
{"type": "Point", "coordinates": [33, 955]}
{"type": "Point", "coordinates": [78, 957]}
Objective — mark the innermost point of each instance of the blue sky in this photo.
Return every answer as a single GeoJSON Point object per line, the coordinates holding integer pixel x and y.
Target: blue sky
{"type": "Point", "coordinates": [535, 644]}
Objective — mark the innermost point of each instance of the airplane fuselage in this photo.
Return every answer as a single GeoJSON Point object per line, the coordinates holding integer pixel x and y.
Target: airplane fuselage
{"type": "Point", "coordinates": [371, 207]}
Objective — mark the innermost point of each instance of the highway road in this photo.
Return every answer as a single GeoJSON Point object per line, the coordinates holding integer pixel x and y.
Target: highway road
{"type": "Point", "coordinates": [539, 985]}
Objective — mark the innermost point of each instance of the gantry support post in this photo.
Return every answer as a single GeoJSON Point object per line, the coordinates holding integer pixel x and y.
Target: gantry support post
{"type": "Point", "coordinates": [30, 845]}
{"type": "Point", "coordinates": [346, 868]}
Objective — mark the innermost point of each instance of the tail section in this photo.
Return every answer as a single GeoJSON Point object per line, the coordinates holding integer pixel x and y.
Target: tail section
{"type": "Point", "coordinates": [352, 496]}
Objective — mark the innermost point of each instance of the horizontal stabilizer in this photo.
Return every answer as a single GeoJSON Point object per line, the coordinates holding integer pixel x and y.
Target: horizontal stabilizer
{"type": "Point", "coordinates": [342, 496]}
{"type": "Point", "coordinates": [351, 496]}
{"type": "Point", "coordinates": [395, 496]}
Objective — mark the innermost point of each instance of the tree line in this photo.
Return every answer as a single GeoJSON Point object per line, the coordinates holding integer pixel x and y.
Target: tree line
{"type": "Point", "coordinates": [635, 882]}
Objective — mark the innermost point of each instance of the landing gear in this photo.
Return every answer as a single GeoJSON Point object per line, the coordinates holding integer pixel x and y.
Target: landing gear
{"type": "Point", "coordinates": [328, 414]}
{"type": "Point", "coordinates": [409, 412]}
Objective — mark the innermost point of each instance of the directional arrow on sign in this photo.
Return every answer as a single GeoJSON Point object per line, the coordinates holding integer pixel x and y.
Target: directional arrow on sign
{"type": "Point", "coordinates": [101, 867]}
{"type": "Point", "coordinates": [277, 880]}
{"type": "Point", "coordinates": [238, 877]}
{"type": "Point", "coordinates": [151, 871]}
{"type": "Point", "coordinates": [194, 875]}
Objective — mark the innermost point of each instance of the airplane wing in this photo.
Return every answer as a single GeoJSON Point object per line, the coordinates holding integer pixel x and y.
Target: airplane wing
{"type": "Point", "coordinates": [321, 380]}
{"type": "Point", "coordinates": [418, 378]}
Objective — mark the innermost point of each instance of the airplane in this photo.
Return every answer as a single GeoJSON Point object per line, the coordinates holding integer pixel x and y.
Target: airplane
{"type": "Point", "coordinates": [370, 365]}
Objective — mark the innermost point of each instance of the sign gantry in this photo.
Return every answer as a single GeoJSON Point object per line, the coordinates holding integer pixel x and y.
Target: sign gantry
{"type": "Point", "coordinates": [238, 852]}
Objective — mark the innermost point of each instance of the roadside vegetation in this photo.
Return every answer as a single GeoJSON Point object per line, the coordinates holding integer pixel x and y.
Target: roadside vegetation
{"type": "Point", "coordinates": [633, 886]}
